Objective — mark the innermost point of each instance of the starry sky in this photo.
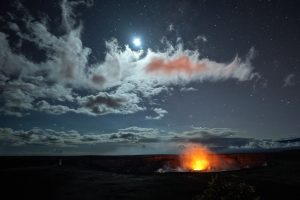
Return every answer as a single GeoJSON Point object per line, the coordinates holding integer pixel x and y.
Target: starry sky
{"type": "Point", "coordinates": [224, 74]}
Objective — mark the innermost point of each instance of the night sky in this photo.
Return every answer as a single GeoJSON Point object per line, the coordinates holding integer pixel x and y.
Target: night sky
{"type": "Point", "coordinates": [143, 77]}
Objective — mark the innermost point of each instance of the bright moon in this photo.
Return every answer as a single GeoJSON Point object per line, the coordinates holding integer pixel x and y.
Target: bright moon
{"type": "Point", "coordinates": [137, 42]}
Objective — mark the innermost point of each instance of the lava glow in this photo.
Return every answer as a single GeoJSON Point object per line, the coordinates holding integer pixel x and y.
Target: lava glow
{"type": "Point", "coordinates": [200, 165]}
{"type": "Point", "coordinates": [197, 158]}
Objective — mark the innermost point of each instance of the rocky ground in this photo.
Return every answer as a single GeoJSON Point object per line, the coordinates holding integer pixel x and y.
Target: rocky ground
{"type": "Point", "coordinates": [136, 177]}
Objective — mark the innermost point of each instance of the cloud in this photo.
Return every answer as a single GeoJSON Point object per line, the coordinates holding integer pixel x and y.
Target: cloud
{"type": "Point", "coordinates": [187, 65]}
{"type": "Point", "coordinates": [44, 106]}
{"type": "Point", "coordinates": [160, 114]}
{"type": "Point", "coordinates": [289, 80]}
{"type": "Point", "coordinates": [59, 77]}
{"type": "Point", "coordinates": [105, 103]}
{"type": "Point", "coordinates": [68, 16]}
{"type": "Point", "coordinates": [266, 144]}
{"type": "Point", "coordinates": [52, 138]}
{"type": "Point", "coordinates": [201, 38]}
{"type": "Point", "coordinates": [135, 140]}
{"type": "Point", "coordinates": [189, 89]}
{"type": "Point", "coordinates": [171, 28]}
{"type": "Point", "coordinates": [224, 138]}
{"type": "Point", "coordinates": [13, 26]}
{"type": "Point", "coordinates": [211, 137]}
{"type": "Point", "coordinates": [101, 103]}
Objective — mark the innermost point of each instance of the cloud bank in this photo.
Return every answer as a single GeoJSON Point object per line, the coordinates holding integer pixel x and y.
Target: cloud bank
{"type": "Point", "coordinates": [136, 140]}
{"type": "Point", "coordinates": [65, 81]}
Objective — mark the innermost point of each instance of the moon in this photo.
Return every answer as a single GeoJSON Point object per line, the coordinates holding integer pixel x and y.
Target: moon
{"type": "Point", "coordinates": [137, 42]}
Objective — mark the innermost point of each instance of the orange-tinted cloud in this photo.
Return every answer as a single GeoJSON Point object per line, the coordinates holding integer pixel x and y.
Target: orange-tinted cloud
{"type": "Point", "coordinates": [182, 64]}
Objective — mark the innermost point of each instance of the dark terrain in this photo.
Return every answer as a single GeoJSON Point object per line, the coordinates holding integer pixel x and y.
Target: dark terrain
{"type": "Point", "coordinates": [274, 176]}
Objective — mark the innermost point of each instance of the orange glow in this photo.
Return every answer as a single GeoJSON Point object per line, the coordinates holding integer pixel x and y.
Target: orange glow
{"type": "Point", "coordinates": [197, 158]}
{"type": "Point", "coordinates": [182, 64]}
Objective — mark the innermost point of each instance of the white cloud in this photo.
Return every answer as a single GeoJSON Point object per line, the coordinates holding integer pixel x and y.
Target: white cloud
{"type": "Point", "coordinates": [189, 89]}
{"type": "Point", "coordinates": [160, 114]}
{"type": "Point", "coordinates": [119, 84]}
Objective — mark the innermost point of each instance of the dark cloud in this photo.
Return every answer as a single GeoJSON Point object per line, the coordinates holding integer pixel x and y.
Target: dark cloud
{"type": "Point", "coordinates": [212, 137]}
{"type": "Point", "coordinates": [98, 79]}
{"type": "Point", "coordinates": [93, 102]}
